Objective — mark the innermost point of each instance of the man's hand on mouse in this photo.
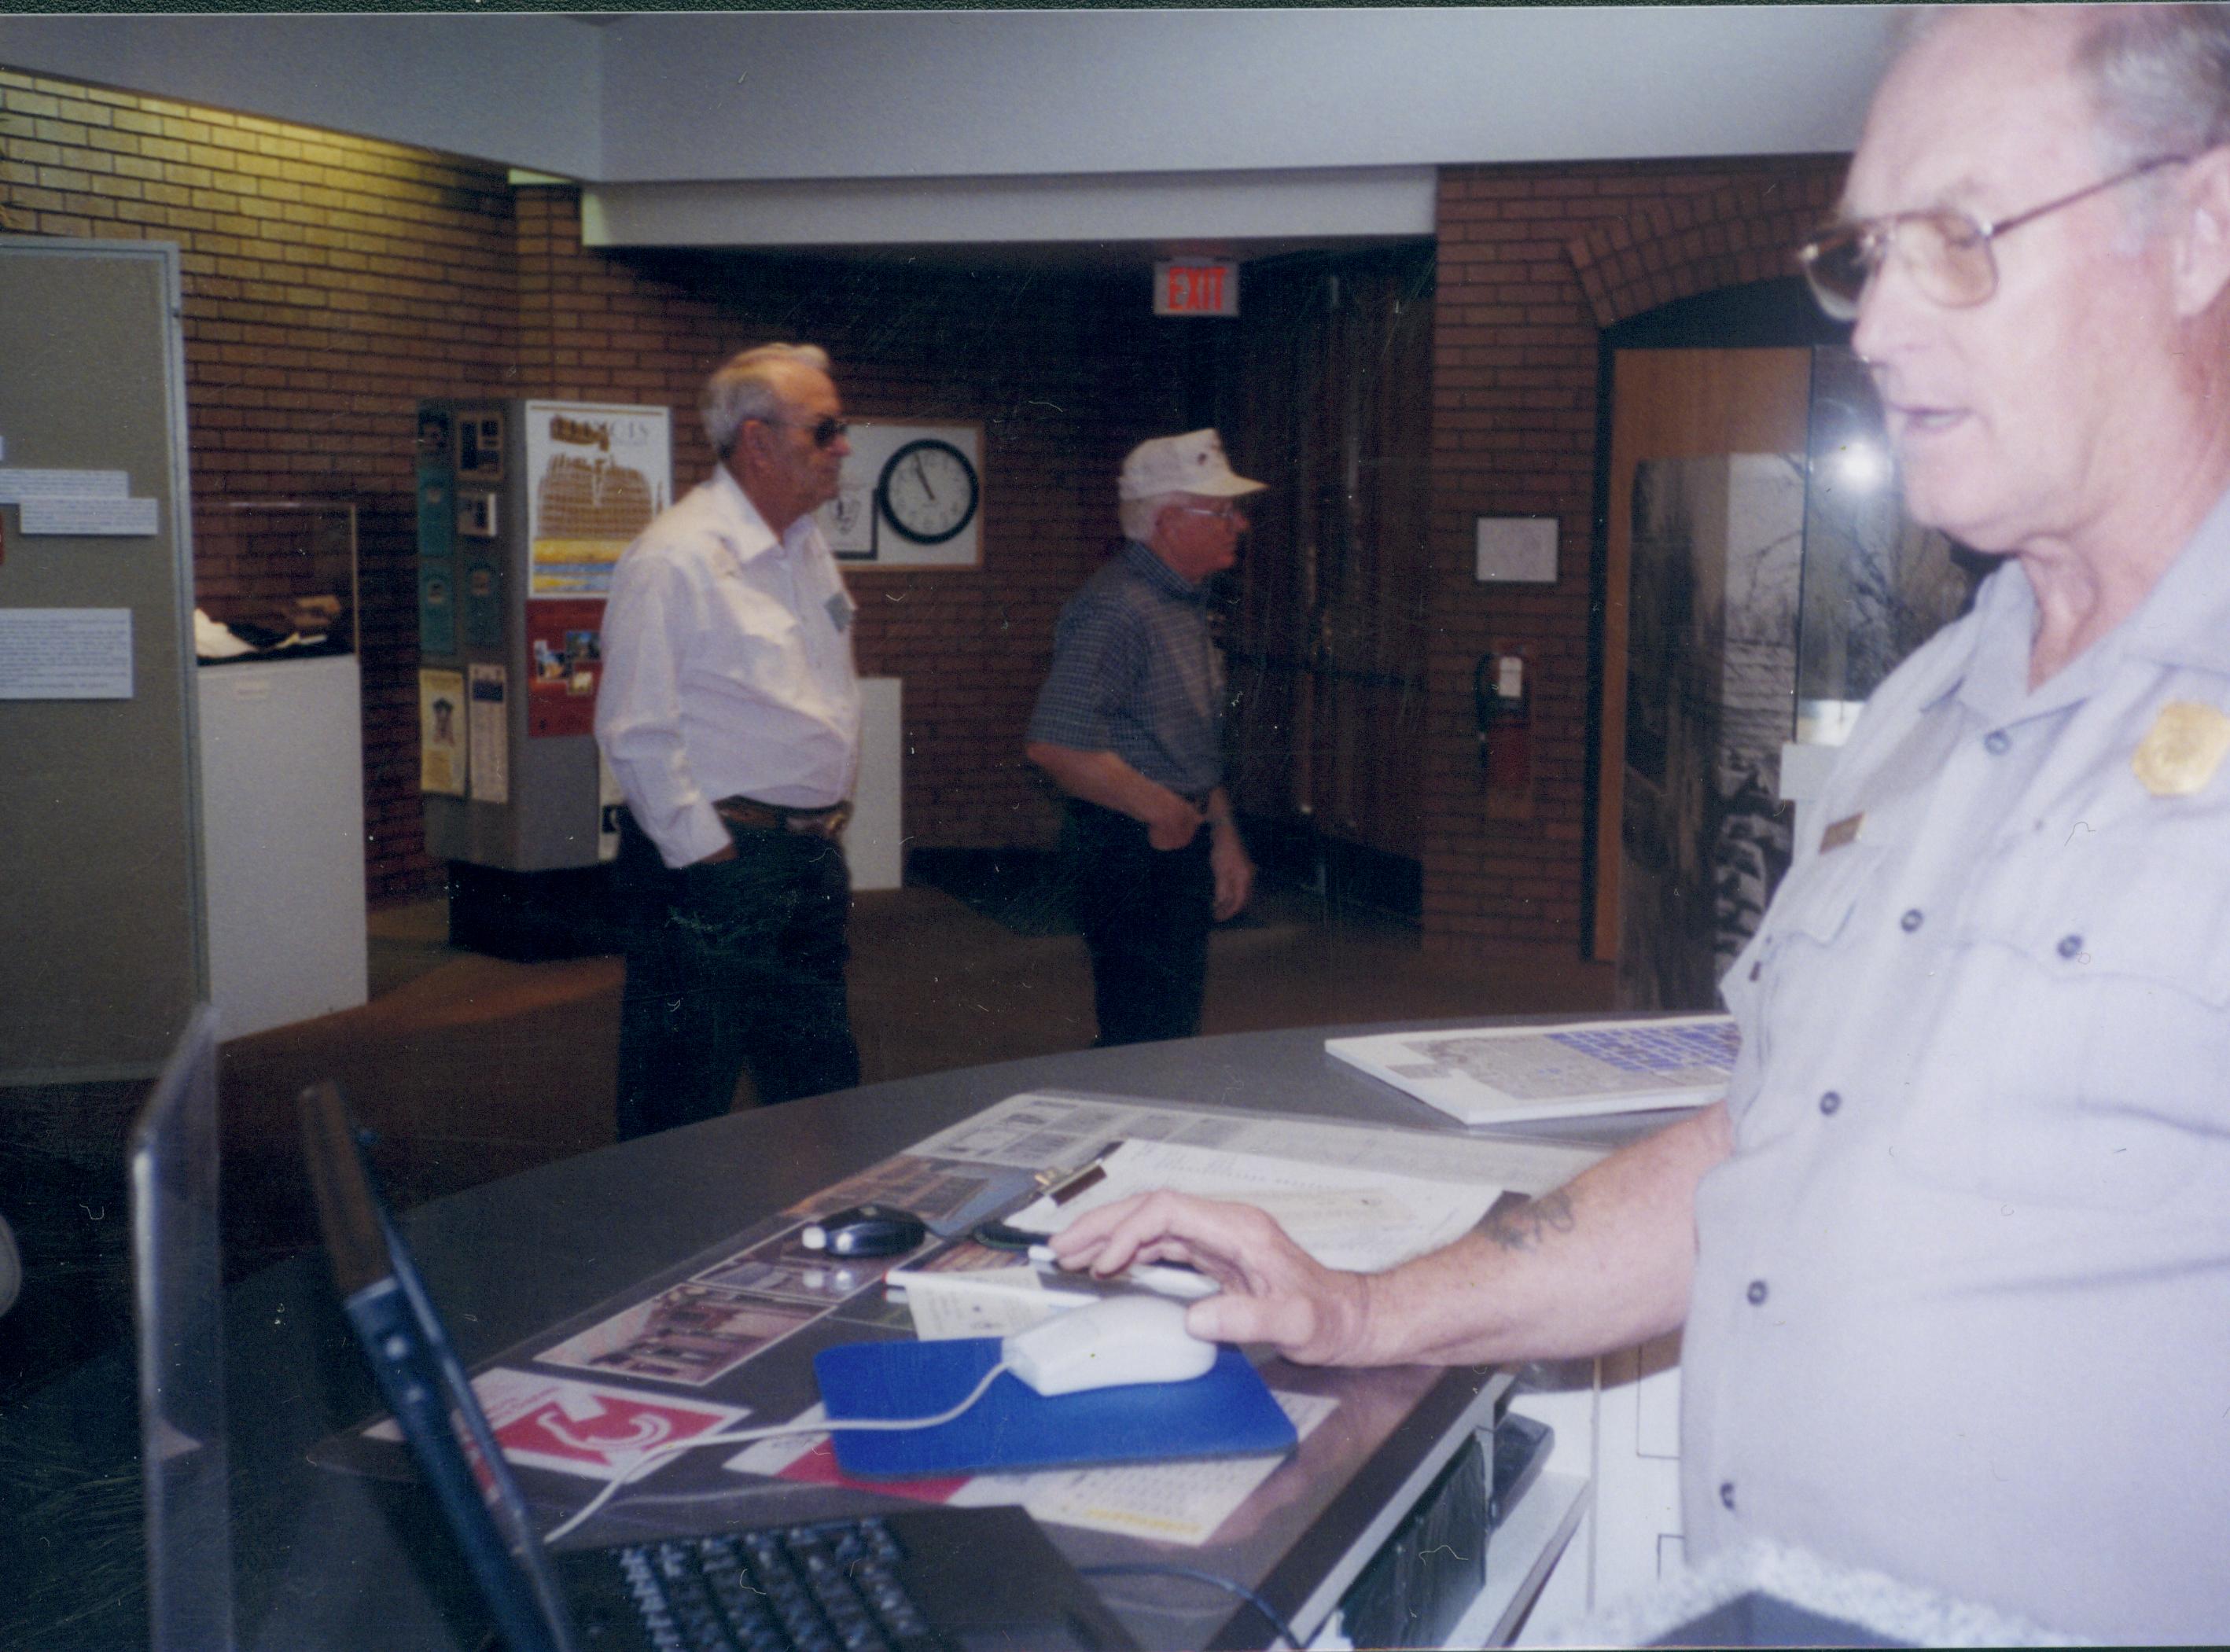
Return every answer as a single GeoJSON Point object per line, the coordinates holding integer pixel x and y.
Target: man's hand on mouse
{"type": "Point", "coordinates": [1273, 1292]}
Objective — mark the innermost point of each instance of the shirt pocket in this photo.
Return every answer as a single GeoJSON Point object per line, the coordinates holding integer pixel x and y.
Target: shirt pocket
{"type": "Point", "coordinates": [2096, 1028]}
{"type": "Point", "coordinates": [1810, 913]}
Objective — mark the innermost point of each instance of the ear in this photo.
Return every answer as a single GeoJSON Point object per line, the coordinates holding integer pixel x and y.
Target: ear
{"type": "Point", "coordinates": [2202, 247]}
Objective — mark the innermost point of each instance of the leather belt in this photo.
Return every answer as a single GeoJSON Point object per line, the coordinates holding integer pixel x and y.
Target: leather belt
{"type": "Point", "coordinates": [752, 816]}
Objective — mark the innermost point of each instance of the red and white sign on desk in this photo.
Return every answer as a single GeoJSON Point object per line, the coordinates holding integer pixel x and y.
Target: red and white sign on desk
{"type": "Point", "coordinates": [1196, 286]}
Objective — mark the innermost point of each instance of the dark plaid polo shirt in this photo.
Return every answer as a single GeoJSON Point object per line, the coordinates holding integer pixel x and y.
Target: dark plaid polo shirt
{"type": "Point", "coordinates": [1135, 673]}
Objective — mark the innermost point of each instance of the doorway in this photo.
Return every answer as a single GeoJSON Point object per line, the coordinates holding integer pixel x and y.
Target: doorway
{"type": "Point", "coordinates": [1328, 394]}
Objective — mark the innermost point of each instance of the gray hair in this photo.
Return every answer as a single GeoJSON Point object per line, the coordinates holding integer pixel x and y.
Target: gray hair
{"type": "Point", "coordinates": [2160, 77]}
{"type": "Point", "coordinates": [1139, 515]}
{"type": "Point", "coordinates": [746, 387]}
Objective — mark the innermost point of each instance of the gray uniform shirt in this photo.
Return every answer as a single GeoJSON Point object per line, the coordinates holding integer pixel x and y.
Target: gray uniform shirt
{"type": "Point", "coordinates": [1961, 1301]}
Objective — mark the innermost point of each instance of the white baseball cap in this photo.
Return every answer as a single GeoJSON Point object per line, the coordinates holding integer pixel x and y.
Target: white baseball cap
{"type": "Point", "coordinates": [1192, 463]}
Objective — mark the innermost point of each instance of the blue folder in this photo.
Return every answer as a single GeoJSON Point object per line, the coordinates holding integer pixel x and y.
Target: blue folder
{"type": "Point", "coordinates": [1228, 1412]}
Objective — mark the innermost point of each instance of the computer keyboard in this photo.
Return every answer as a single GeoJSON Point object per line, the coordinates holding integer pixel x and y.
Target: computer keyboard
{"type": "Point", "coordinates": [830, 1587]}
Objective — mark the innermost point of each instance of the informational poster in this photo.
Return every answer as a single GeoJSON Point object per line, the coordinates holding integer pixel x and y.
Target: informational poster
{"type": "Point", "coordinates": [564, 661]}
{"type": "Point", "coordinates": [487, 742]}
{"type": "Point", "coordinates": [441, 732]}
{"type": "Point", "coordinates": [596, 475]}
{"type": "Point", "coordinates": [65, 653]}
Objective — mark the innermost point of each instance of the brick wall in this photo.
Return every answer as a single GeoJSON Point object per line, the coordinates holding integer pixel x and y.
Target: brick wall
{"type": "Point", "coordinates": [329, 282]}
{"type": "Point", "coordinates": [1533, 262]}
{"type": "Point", "coordinates": [332, 281]}
{"type": "Point", "coordinates": [1064, 371]}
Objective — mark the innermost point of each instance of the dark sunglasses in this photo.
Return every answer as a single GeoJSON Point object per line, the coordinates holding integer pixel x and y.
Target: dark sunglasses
{"type": "Point", "coordinates": [826, 433]}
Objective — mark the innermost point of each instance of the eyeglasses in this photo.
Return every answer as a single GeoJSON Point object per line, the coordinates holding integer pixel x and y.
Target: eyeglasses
{"type": "Point", "coordinates": [1946, 252]}
{"type": "Point", "coordinates": [1221, 512]}
{"type": "Point", "coordinates": [826, 433]}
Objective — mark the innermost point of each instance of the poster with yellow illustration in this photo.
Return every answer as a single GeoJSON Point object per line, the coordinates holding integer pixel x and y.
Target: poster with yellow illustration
{"type": "Point", "coordinates": [442, 728]}
{"type": "Point", "coordinates": [596, 475]}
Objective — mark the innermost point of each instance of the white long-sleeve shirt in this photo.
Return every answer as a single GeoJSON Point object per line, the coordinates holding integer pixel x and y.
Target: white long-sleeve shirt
{"type": "Point", "coordinates": [727, 670]}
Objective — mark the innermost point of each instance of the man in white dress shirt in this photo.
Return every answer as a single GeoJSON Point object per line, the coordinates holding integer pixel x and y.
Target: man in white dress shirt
{"type": "Point", "coordinates": [1952, 1259]}
{"type": "Point", "coordinates": [730, 712]}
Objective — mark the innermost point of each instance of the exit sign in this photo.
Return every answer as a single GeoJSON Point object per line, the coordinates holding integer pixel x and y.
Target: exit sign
{"type": "Point", "coordinates": [1196, 286]}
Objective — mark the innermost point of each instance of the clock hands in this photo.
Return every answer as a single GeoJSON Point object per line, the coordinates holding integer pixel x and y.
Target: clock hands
{"type": "Point", "coordinates": [922, 471]}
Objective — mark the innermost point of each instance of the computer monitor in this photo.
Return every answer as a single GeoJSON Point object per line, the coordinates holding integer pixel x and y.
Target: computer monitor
{"type": "Point", "coordinates": [178, 1293]}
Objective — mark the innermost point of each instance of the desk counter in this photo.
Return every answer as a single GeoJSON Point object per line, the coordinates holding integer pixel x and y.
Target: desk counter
{"type": "Point", "coordinates": [324, 1559]}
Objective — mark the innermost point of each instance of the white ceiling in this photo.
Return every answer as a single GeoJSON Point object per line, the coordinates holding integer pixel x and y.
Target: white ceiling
{"type": "Point", "coordinates": [879, 127]}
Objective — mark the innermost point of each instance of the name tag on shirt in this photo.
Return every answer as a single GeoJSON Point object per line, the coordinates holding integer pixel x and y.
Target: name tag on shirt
{"type": "Point", "coordinates": [840, 612]}
{"type": "Point", "coordinates": [1843, 831]}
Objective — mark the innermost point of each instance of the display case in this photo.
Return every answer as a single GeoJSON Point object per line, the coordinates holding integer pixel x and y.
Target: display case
{"type": "Point", "coordinates": [274, 579]}
{"type": "Point", "coordinates": [281, 759]}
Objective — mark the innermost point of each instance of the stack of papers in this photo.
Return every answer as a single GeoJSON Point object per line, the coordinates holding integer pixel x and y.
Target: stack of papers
{"type": "Point", "coordinates": [1508, 1074]}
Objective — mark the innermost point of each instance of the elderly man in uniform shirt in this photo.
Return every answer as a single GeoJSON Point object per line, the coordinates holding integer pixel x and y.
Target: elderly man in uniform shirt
{"type": "Point", "coordinates": [1130, 725]}
{"type": "Point", "coordinates": [1953, 1257]}
{"type": "Point", "coordinates": [730, 712]}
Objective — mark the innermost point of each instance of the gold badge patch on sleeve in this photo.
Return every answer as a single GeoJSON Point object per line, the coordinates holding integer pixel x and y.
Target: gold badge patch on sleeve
{"type": "Point", "coordinates": [2181, 750]}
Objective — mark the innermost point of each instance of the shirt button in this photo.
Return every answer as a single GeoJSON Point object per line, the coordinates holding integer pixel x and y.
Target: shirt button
{"type": "Point", "coordinates": [2069, 945]}
{"type": "Point", "coordinates": [1997, 742]}
{"type": "Point", "coordinates": [1830, 1101]}
{"type": "Point", "coordinates": [1910, 921]}
{"type": "Point", "coordinates": [1727, 1495]}
{"type": "Point", "coordinates": [1756, 1292]}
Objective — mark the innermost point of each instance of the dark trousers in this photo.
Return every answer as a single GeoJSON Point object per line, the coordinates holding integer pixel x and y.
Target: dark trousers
{"type": "Point", "coordinates": [732, 965]}
{"type": "Point", "coordinates": [1145, 913]}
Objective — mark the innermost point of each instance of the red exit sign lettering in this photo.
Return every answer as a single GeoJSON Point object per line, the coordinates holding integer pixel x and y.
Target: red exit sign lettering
{"type": "Point", "coordinates": [1196, 287]}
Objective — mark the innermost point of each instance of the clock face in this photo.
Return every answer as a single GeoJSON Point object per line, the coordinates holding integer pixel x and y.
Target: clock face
{"type": "Point", "coordinates": [928, 491]}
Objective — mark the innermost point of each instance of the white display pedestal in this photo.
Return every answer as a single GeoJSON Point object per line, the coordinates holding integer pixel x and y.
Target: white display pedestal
{"type": "Point", "coordinates": [874, 844]}
{"type": "Point", "coordinates": [282, 812]}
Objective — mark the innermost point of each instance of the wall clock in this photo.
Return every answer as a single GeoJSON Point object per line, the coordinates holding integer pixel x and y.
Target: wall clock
{"type": "Point", "coordinates": [928, 491]}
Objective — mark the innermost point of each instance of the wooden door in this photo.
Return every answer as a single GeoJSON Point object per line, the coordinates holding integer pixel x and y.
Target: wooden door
{"type": "Point", "coordinates": [1330, 402]}
{"type": "Point", "coordinates": [1671, 404]}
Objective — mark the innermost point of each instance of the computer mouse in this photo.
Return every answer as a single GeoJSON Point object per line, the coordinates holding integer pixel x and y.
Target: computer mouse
{"type": "Point", "coordinates": [1127, 1338]}
{"type": "Point", "coordinates": [865, 1230]}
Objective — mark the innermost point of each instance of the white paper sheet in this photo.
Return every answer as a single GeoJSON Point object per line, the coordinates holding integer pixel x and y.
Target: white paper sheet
{"type": "Point", "coordinates": [65, 653]}
{"type": "Point", "coordinates": [18, 485]}
{"type": "Point", "coordinates": [1181, 1502]}
{"type": "Point", "coordinates": [86, 517]}
{"type": "Point", "coordinates": [1363, 1219]}
{"type": "Point", "coordinates": [984, 1302]}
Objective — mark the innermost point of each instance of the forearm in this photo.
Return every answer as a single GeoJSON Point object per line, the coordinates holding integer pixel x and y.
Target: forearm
{"type": "Point", "coordinates": [1602, 1263]}
{"type": "Point", "coordinates": [1102, 777]}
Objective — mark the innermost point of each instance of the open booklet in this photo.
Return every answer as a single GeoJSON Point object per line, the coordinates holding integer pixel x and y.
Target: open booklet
{"type": "Point", "coordinates": [1508, 1074]}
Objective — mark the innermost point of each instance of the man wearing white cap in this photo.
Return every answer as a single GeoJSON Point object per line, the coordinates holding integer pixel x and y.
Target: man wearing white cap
{"type": "Point", "coordinates": [1130, 725]}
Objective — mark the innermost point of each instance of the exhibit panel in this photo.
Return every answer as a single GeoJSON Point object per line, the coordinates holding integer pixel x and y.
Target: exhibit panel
{"type": "Point", "coordinates": [101, 946]}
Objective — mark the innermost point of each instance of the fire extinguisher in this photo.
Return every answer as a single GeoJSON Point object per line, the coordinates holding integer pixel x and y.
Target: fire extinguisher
{"type": "Point", "coordinates": [1502, 700]}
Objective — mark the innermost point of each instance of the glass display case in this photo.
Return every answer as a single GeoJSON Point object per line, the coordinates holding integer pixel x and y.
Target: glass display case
{"type": "Point", "coordinates": [1874, 584]}
{"type": "Point", "coordinates": [274, 579]}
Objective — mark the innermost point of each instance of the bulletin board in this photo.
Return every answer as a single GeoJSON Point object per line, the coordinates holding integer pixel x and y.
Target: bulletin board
{"type": "Point", "coordinates": [102, 950]}
{"type": "Point", "coordinates": [858, 522]}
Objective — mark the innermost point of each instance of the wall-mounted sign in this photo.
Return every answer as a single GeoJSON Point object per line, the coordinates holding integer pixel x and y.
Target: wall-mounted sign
{"type": "Point", "coordinates": [1196, 286]}
{"type": "Point", "coordinates": [1520, 549]}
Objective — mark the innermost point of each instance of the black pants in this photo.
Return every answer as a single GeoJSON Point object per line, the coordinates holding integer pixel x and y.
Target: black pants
{"type": "Point", "coordinates": [732, 965]}
{"type": "Point", "coordinates": [1145, 913]}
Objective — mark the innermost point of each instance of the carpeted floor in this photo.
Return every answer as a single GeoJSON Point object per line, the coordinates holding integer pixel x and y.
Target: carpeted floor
{"type": "Point", "coordinates": [472, 1067]}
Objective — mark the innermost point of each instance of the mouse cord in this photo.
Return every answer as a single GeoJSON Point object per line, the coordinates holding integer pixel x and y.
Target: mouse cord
{"type": "Point", "coordinates": [1155, 1568]}
{"type": "Point", "coordinates": [744, 1436]}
